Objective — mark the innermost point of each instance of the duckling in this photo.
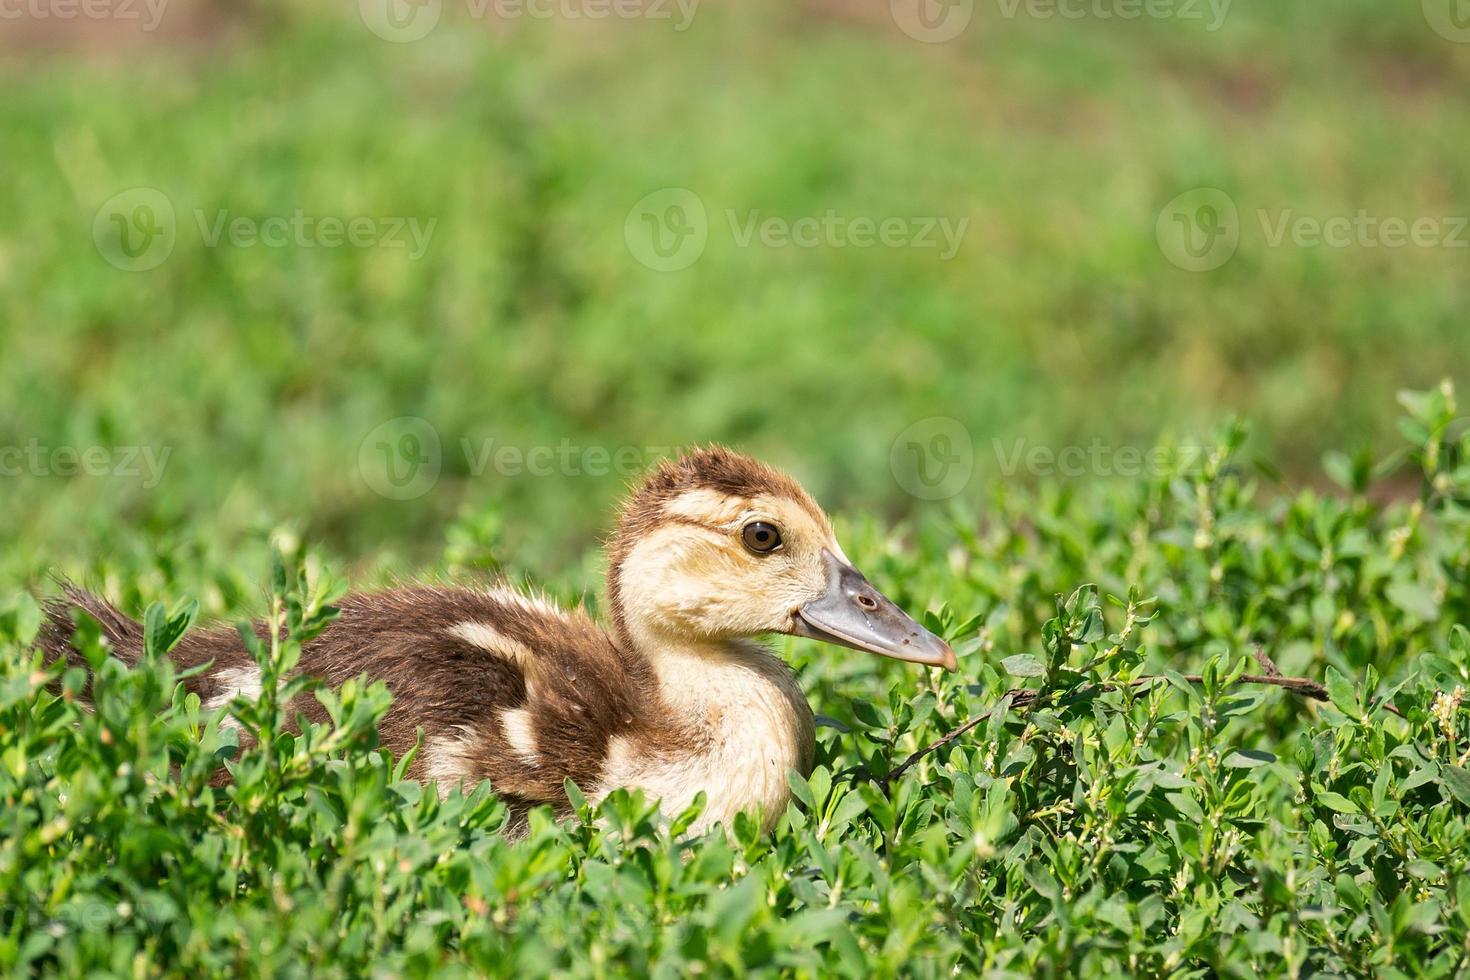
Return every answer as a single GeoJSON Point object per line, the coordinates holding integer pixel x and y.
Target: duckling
{"type": "Point", "coordinates": [676, 696]}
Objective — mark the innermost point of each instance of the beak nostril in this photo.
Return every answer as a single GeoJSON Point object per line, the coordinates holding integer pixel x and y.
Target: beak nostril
{"type": "Point", "coordinates": [867, 602]}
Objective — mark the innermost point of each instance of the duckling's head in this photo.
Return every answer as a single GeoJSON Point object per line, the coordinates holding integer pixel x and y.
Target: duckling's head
{"type": "Point", "coordinates": [716, 546]}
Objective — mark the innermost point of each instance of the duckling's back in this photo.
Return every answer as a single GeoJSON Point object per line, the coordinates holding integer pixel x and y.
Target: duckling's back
{"type": "Point", "coordinates": [505, 687]}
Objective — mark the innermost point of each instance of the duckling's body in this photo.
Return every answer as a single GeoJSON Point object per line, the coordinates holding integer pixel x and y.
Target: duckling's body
{"type": "Point", "coordinates": [674, 699]}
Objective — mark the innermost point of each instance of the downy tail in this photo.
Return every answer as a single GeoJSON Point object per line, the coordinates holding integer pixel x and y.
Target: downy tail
{"type": "Point", "coordinates": [124, 635]}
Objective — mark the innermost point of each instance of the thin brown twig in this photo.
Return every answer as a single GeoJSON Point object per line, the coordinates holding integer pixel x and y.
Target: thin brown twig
{"type": "Point", "coordinates": [1267, 664]}
{"type": "Point", "coordinates": [1024, 697]}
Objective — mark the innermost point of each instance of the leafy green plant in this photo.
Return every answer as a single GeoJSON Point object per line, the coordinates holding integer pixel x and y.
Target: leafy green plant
{"type": "Point", "coordinates": [1200, 728]}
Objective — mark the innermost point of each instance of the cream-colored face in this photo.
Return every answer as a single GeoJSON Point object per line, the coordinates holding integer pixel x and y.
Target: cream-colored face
{"type": "Point", "coordinates": [711, 568]}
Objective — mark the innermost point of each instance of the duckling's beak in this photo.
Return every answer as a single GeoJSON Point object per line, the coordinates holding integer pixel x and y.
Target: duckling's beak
{"type": "Point", "coordinates": [854, 614]}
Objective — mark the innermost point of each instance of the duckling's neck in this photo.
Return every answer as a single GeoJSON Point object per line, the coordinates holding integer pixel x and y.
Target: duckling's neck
{"type": "Point", "coordinates": [733, 679]}
{"type": "Point", "coordinates": [730, 720]}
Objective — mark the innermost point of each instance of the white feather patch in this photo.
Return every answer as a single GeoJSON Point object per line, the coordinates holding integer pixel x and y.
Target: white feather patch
{"type": "Point", "coordinates": [447, 760]}
{"type": "Point", "coordinates": [491, 640]}
{"type": "Point", "coordinates": [530, 603]}
{"type": "Point", "coordinates": [234, 682]}
{"type": "Point", "coordinates": [520, 733]}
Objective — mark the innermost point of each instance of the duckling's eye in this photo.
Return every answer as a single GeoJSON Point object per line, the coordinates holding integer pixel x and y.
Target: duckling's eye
{"type": "Point", "coordinates": [761, 537]}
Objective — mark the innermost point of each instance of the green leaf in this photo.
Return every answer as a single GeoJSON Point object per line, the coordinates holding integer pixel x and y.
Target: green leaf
{"type": "Point", "coordinates": [845, 812]}
{"type": "Point", "coordinates": [969, 626]}
{"type": "Point", "coordinates": [1456, 781]}
{"type": "Point", "coordinates": [1349, 893]}
{"type": "Point", "coordinates": [155, 629]}
{"type": "Point", "coordinates": [27, 619]}
{"type": "Point", "coordinates": [1093, 627]}
{"type": "Point", "coordinates": [1338, 802]}
{"type": "Point", "coordinates": [800, 789]}
{"type": "Point", "coordinates": [574, 795]}
{"type": "Point", "coordinates": [1420, 776]}
{"type": "Point", "coordinates": [1023, 665]}
{"type": "Point", "coordinates": [161, 631]}
{"type": "Point", "coordinates": [1344, 698]}
{"type": "Point", "coordinates": [1339, 466]}
{"type": "Point", "coordinates": [820, 785]}
{"type": "Point", "coordinates": [1181, 684]}
{"type": "Point", "coordinates": [685, 819]}
{"type": "Point", "coordinates": [1415, 599]}
{"type": "Point", "coordinates": [868, 715]}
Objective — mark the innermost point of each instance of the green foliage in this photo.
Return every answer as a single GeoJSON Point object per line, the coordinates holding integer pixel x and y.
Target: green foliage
{"type": "Point", "coordinates": [1100, 812]}
{"type": "Point", "coordinates": [261, 370]}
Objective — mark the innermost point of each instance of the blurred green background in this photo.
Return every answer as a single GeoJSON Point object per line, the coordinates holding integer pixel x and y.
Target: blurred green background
{"type": "Point", "coordinates": [525, 149]}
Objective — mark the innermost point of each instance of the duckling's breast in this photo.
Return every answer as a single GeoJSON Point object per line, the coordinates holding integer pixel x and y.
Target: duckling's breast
{"type": "Point", "coordinates": [734, 722]}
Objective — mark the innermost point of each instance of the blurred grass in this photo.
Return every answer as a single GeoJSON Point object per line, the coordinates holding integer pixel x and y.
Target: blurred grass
{"type": "Point", "coordinates": [527, 321]}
